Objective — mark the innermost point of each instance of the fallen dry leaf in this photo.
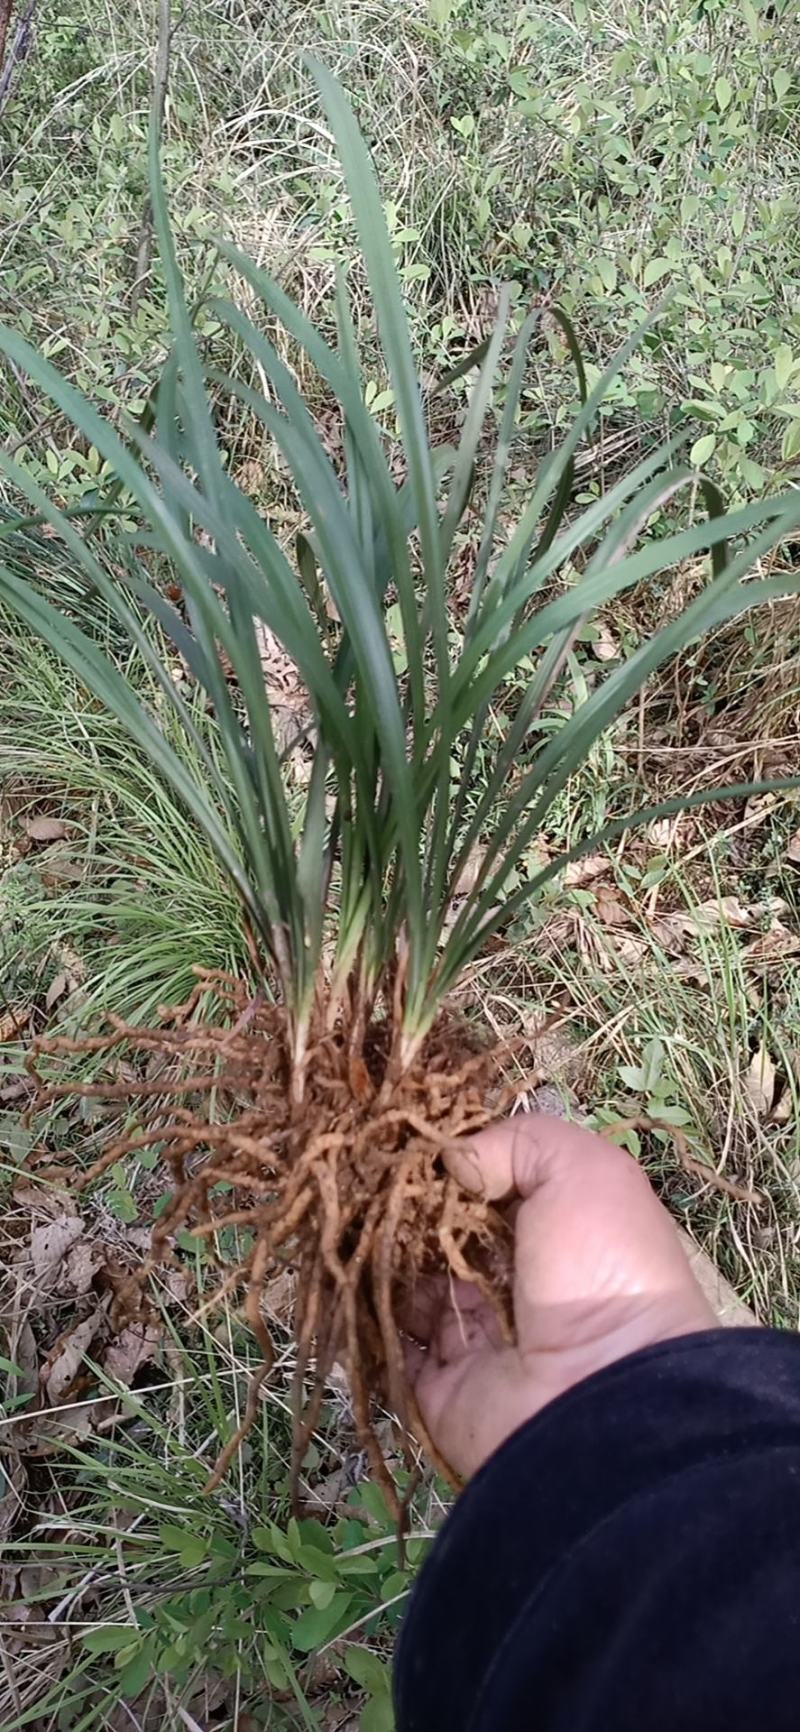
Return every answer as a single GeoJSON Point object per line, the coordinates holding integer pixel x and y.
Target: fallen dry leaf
{"type": "Point", "coordinates": [708, 915]}
{"type": "Point", "coordinates": [470, 871]}
{"type": "Point", "coordinates": [783, 1110]}
{"type": "Point", "coordinates": [63, 1368]}
{"type": "Point", "coordinates": [41, 1199]}
{"type": "Point", "coordinates": [21, 1088]}
{"type": "Point", "coordinates": [772, 946]}
{"type": "Point", "coordinates": [610, 910]}
{"type": "Point", "coordinates": [131, 1349]}
{"type": "Point", "coordinates": [79, 1268]}
{"type": "Point", "coordinates": [280, 1295]}
{"type": "Point", "coordinates": [36, 1579]}
{"type": "Point", "coordinates": [51, 1242]}
{"type": "Point", "coordinates": [331, 1489]}
{"type": "Point", "coordinates": [605, 645]}
{"type": "Point", "coordinates": [290, 702]}
{"type": "Point", "coordinates": [663, 832]}
{"type": "Point", "coordinates": [45, 829]}
{"type": "Point", "coordinates": [688, 969]}
{"type": "Point", "coordinates": [27, 1629]}
{"type": "Point", "coordinates": [627, 948]}
{"type": "Point", "coordinates": [758, 808]}
{"type": "Point", "coordinates": [632, 952]}
{"type": "Point", "coordinates": [9, 1578]}
{"type": "Point", "coordinates": [12, 1022]}
{"type": "Point", "coordinates": [73, 964]}
{"type": "Point", "coordinates": [177, 1284]}
{"type": "Point", "coordinates": [584, 871]}
{"type": "Point", "coordinates": [759, 1082]}
{"type": "Point", "coordinates": [61, 868]}
{"type": "Point", "coordinates": [47, 1431]}
{"type": "Point", "coordinates": [728, 910]}
{"type": "Point", "coordinates": [139, 1239]}
{"type": "Point", "coordinates": [56, 989]}
{"type": "Point", "coordinates": [18, 1343]}
{"type": "Point", "coordinates": [793, 850]}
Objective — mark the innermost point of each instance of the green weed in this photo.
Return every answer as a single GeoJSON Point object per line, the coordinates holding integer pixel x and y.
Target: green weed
{"type": "Point", "coordinates": [597, 158]}
{"type": "Point", "coordinates": [169, 1598]}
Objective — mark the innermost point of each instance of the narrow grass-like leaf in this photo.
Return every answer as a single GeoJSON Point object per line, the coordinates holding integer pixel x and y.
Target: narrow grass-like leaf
{"type": "Point", "coordinates": [722, 601]}
{"type": "Point", "coordinates": [375, 844]}
{"type": "Point", "coordinates": [474, 358]}
{"type": "Point", "coordinates": [113, 690]}
{"type": "Point", "coordinates": [659, 555]}
{"type": "Point", "coordinates": [116, 601]}
{"type": "Point", "coordinates": [472, 429]}
{"type": "Point", "coordinates": [505, 437]}
{"type": "Point", "coordinates": [359, 607]}
{"type": "Point", "coordinates": [199, 428]}
{"type": "Point", "coordinates": [393, 327]}
{"type": "Point", "coordinates": [611, 832]}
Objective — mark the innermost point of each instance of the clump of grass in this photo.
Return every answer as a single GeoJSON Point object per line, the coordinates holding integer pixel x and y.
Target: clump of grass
{"type": "Point", "coordinates": [133, 894]}
{"type": "Point", "coordinates": [338, 1075]}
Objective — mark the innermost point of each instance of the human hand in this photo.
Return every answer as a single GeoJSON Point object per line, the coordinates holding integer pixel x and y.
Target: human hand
{"type": "Point", "coordinates": [599, 1271]}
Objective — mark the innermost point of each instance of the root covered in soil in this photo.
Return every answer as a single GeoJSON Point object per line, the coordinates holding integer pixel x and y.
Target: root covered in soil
{"type": "Point", "coordinates": [347, 1186]}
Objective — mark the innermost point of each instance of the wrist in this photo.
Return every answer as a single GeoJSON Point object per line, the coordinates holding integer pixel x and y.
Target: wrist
{"type": "Point", "coordinates": [606, 1334]}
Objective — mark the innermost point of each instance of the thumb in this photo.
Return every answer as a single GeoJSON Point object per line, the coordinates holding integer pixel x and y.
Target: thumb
{"type": "Point", "coordinates": [515, 1156]}
{"type": "Point", "coordinates": [590, 1232]}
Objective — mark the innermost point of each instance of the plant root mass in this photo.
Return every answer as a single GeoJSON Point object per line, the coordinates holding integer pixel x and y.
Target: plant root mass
{"type": "Point", "coordinates": [345, 1185]}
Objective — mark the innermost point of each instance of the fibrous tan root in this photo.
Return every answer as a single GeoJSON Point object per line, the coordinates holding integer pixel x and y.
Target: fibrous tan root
{"type": "Point", "coordinates": [234, 1444]}
{"type": "Point", "coordinates": [345, 1185]}
{"type": "Point", "coordinates": [690, 1163]}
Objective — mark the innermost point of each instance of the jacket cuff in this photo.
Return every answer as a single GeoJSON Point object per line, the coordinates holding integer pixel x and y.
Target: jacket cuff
{"type": "Point", "coordinates": [648, 1418]}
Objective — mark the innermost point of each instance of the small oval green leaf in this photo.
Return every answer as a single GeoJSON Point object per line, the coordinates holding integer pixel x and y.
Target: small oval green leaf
{"type": "Point", "coordinates": [703, 449]}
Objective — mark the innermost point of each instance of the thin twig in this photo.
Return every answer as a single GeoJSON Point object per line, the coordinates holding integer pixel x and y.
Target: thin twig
{"type": "Point", "coordinates": [187, 1719]}
{"type": "Point", "coordinates": [690, 1163]}
{"type": "Point", "coordinates": [123, 1579]}
{"type": "Point", "coordinates": [18, 51]}
{"type": "Point", "coordinates": [364, 1619]}
{"type": "Point", "coordinates": [11, 1679]}
{"type": "Point", "coordinates": [5, 20]}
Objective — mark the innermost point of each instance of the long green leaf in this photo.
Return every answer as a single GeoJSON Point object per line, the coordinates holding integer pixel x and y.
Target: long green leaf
{"type": "Point", "coordinates": [209, 617]}
{"type": "Point", "coordinates": [602, 838]}
{"type": "Point", "coordinates": [101, 678]}
{"type": "Point", "coordinates": [391, 531]}
{"type": "Point", "coordinates": [360, 610]}
{"type": "Point", "coordinates": [381, 834]}
{"type": "Point", "coordinates": [659, 555]}
{"type": "Point", "coordinates": [388, 300]}
{"type": "Point", "coordinates": [722, 601]}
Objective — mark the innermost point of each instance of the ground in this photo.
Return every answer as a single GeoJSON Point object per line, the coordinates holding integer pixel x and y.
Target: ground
{"type": "Point", "coordinates": [597, 158]}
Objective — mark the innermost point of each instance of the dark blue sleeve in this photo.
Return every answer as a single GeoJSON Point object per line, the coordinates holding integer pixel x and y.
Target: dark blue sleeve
{"type": "Point", "coordinates": [629, 1561]}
